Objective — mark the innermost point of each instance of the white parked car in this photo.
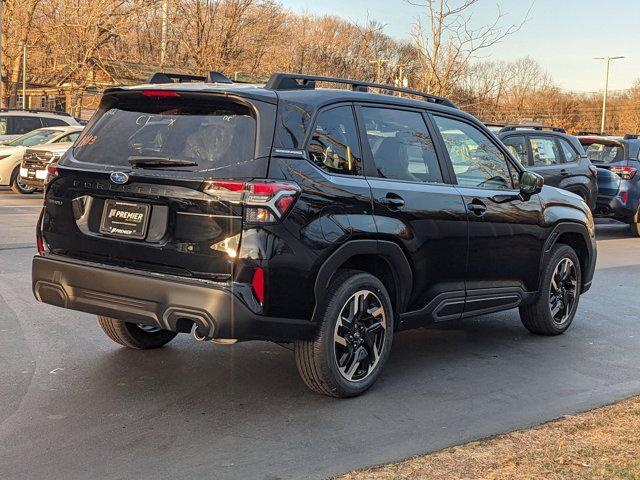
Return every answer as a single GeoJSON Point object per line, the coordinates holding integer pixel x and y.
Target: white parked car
{"type": "Point", "coordinates": [11, 152]}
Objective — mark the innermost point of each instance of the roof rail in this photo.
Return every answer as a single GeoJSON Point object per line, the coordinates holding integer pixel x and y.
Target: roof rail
{"type": "Point", "coordinates": [212, 77]}
{"type": "Point", "coordinates": [295, 81]}
{"type": "Point", "coordinates": [630, 136]}
{"type": "Point", "coordinates": [35, 110]}
{"type": "Point", "coordinates": [511, 128]}
{"type": "Point", "coordinates": [583, 133]}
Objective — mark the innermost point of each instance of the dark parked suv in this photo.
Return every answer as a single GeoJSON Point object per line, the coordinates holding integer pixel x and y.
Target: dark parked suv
{"type": "Point", "coordinates": [618, 162]}
{"type": "Point", "coordinates": [555, 155]}
{"type": "Point", "coordinates": [328, 218]}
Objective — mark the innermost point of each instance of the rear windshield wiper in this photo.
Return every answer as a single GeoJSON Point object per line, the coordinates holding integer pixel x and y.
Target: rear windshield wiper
{"type": "Point", "coordinates": [151, 162]}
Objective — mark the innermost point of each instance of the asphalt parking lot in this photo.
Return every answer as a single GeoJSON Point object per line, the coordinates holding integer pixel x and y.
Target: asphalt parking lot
{"type": "Point", "coordinates": [74, 405]}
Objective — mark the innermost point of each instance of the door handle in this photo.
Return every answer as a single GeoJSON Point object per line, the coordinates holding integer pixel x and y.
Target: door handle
{"type": "Point", "coordinates": [477, 207]}
{"type": "Point", "coordinates": [564, 172]}
{"type": "Point", "coordinates": [392, 201]}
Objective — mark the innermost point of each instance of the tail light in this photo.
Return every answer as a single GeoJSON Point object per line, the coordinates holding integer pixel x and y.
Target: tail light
{"type": "Point", "coordinates": [41, 244]}
{"type": "Point", "coordinates": [623, 197]}
{"type": "Point", "coordinates": [257, 284]}
{"type": "Point", "coordinates": [160, 93]}
{"type": "Point", "coordinates": [265, 201]}
{"type": "Point", "coordinates": [626, 173]}
{"type": "Point", "coordinates": [52, 169]}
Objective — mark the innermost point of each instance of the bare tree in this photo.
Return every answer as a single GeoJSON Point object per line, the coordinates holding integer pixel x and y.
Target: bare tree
{"type": "Point", "coordinates": [18, 20]}
{"type": "Point", "coordinates": [447, 41]}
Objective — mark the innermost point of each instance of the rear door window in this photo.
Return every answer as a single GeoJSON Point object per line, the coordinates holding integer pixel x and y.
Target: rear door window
{"type": "Point", "coordinates": [570, 154]}
{"type": "Point", "coordinates": [545, 151]}
{"type": "Point", "coordinates": [4, 130]}
{"type": "Point", "coordinates": [216, 134]}
{"type": "Point", "coordinates": [517, 146]}
{"type": "Point", "coordinates": [401, 145]}
{"type": "Point", "coordinates": [53, 122]}
{"type": "Point", "coordinates": [334, 143]}
{"type": "Point", "coordinates": [20, 124]}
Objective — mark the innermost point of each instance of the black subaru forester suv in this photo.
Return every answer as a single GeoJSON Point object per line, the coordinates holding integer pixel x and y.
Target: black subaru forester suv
{"type": "Point", "coordinates": [329, 218]}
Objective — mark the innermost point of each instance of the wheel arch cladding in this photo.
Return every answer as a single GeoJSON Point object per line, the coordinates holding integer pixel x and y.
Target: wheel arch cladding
{"type": "Point", "coordinates": [576, 236]}
{"type": "Point", "coordinates": [385, 260]}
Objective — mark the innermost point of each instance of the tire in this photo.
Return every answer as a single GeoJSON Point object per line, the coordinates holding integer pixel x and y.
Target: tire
{"type": "Point", "coordinates": [141, 337]}
{"type": "Point", "coordinates": [364, 345]}
{"type": "Point", "coordinates": [17, 187]}
{"type": "Point", "coordinates": [634, 224]}
{"type": "Point", "coordinates": [539, 317]}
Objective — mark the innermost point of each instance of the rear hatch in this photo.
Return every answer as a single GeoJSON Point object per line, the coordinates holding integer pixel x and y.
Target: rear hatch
{"type": "Point", "coordinates": [609, 156]}
{"type": "Point", "coordinates": [134, 189]}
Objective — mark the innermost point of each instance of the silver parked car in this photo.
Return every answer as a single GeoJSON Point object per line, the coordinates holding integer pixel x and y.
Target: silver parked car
{"type": "Point", "coordinates": [14, 123]}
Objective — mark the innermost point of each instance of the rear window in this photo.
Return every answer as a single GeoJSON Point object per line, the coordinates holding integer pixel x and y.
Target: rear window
{"type": "Point", "coordinates": [601, 153]}
{"type": "Point", "coordinates": [213, 133]}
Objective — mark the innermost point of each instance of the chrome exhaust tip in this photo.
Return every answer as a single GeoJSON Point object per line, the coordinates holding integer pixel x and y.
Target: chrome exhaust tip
{"type": "Point", "coordinates": [199, 334]}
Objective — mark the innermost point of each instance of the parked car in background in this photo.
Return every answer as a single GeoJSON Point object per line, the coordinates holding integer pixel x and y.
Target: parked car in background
{"type": "Point", "coordinates": [11, 153]}
{"type": "Point", "coordinates": [34, 168]}
{"type": "Point", "coordinates": [618, 161]}
{"type": "Point", "coordinates": [554, 154]}
{"type": "Point", "coordinates": [329, 218]}
{"type": "Point", "coordinates": [14, 123]}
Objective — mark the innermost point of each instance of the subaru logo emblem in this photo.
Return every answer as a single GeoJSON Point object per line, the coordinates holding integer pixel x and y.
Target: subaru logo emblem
{"type": "Point", "coordinates": [119, 177]}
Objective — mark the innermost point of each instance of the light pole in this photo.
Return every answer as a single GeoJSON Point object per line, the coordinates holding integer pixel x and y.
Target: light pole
{"type": "Point", "coordinates": [1, 84]}
{"type": "Point", "coordinates": [24, 76]}
{"type": "Point", "coordinates": [378, 62]}
{"type": "Point", "coordinates": [165, 29]}
{"type": "Point", "coordinates": [606, 87]}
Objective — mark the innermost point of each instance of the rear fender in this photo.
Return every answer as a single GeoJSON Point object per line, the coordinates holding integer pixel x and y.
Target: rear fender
{"type": "Point", "coordinates": [388, 251]}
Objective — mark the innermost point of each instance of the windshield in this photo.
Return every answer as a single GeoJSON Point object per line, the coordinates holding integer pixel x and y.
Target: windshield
{"type": "Point", "coordinates": [31, 139]}
{"type": "Point", "coordinates": [605, 153]}
{"type": "Point", "coordinates": [213, 134]}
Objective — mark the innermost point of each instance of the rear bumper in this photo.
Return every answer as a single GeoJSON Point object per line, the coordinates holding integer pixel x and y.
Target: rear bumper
{"type": "Point", "coordinates": [614, 207]}
{"type": "Point", "coordinates": [168, 302]}
{"type": "Point", "coordinates": [32, 182]}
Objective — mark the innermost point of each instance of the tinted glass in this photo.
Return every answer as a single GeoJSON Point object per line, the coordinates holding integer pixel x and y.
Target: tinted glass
{"type": "Point", "coordinates": [214, 134]}
{"type": "Point", "coordinates": [72, 137]}
{"type": "Point", "coordinates": [24, 124]}
{"type": "Point", "coordinates": [37, 137]}
{"type": "Point", "coordinates": [334, 145]}
{"type": "Point", "coordinates": [401, 145]}
{"type": "Point", "coordinates": [570, 155]}
{"type": "Point", "coordinates": [601, 153]}
{"type": "Point", "coordinates": [53, 122]}
{"type": "Point", "coordinates": [476, 160]}
{"type": "Point", "coordinates": [518, 148]}
{"type": "Point", "coordinates": [544, 151]}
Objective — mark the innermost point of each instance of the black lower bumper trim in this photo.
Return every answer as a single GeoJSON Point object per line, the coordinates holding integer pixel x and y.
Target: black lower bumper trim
{"type": "Point", "coordinates": [158, 300]}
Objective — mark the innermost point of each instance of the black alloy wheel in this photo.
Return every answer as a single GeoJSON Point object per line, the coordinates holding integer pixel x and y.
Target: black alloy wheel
{"type": "Point", "coordinates": [359, 335]}
{"type": "Point", "coordinates": [564, 291]}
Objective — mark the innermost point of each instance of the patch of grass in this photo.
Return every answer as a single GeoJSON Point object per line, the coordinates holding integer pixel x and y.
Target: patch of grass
{"type": "Point", "coordinates": [600, 444]}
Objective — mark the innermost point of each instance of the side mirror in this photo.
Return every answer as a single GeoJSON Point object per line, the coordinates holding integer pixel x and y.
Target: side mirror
{"type": "Point", "coordinates": [530, 183]}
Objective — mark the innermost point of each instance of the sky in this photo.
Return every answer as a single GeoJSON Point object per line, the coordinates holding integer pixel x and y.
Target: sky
{"type": "Point", "coordinates": [562, 35]}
